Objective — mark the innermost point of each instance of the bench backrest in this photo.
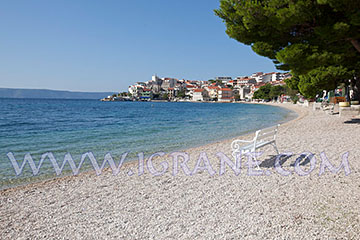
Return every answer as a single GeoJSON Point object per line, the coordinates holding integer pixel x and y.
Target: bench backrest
{"type": "Point", "coordinates": [266, 134]}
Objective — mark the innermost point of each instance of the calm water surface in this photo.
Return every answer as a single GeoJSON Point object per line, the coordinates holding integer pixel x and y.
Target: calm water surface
{"type": "Point", "coordinates": [38, 126]}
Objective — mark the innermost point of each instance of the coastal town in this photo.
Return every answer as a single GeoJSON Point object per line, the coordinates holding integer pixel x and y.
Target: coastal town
{"type": "Point", "coordinates": [222, 119]}
{"type": "Point", "coordinates": [220, 89]}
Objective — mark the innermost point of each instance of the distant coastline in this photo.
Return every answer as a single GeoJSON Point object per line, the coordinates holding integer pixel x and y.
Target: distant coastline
{"type": "Point", "coordinates": [50, 94]}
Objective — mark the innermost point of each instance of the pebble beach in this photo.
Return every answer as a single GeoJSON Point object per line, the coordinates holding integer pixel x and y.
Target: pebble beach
{"type": "Point", "coordinates": [314, 205]}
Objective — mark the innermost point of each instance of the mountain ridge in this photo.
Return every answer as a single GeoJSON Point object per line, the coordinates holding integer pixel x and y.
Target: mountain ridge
{"type": "Point", "coordinates": [50, 94]}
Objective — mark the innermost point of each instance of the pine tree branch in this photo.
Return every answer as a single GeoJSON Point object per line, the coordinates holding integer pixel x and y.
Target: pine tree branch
{"type": "Point", "coordinates": [356, 44]}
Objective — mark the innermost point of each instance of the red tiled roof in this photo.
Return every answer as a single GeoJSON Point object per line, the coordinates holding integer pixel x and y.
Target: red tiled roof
{"type": "Point", "coordinates": [198, 90]}
{"type": "Point", "coordinates": [225, 89]}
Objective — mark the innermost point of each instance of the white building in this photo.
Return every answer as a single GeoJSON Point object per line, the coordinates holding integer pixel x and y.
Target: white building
{"type": "Point", "coordinates": [277, 77]}
{"type": "Point", "coordinates": [225, 95]}
{"type": "Point", "coordinates": [135, 89]}
{"type": "Point", "coordinates": [244, 92]}
{"type": "Point", "coordinates": [223, 79]}
{"type": "Point", "coordinates": [270, 77]}
{"type": "Point", "coordinates": [245, 80]}
{"type": "Point", "coordinates": [198, 95]}
{"type": "Point", "coordinates": [212, 91]}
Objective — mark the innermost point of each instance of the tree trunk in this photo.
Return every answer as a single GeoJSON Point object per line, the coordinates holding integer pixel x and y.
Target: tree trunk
{"type": "Point", "coordinates": [356, 88]}
{"type": "Point", "coordinates": [356, 44]}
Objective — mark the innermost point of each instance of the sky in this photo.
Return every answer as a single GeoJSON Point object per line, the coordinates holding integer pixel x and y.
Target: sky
{"type": "Point", "coordinates": [97, 45]}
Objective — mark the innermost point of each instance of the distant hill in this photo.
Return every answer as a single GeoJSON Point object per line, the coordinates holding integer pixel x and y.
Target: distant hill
{"type": "Point", "coordinates": [45, 93]}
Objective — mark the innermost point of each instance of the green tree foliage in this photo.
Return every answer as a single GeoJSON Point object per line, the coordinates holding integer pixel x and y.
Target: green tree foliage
{"type": "Point", "coordinates": [290, 92]}
{"type": "Point", "coordinates": [258, 95]}
{"type": "Point", "coordinates": [237, 97]}
{"type": "Point", "coordinates": [322, 78]}
{"type": "Point", "coordinates": [263, 92]}
{"type": "Point", "coordinates": [123, 94]}
{"type": "Point", "coordinates": [156, 96]}
{"type": "Point", "coordinates": [318, 40]}
{"type": "Point", "coordinates": [165, 96]}
{"type": "Point", "coordinates": [181, 94]}
{"type": "Point", "coordinates": [269, 91]}
{"type": "Point", "coordinates": [276, 91]}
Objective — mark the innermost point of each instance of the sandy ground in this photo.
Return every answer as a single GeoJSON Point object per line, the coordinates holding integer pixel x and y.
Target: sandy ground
{"type": "Point", "coordinates": [202, 206]}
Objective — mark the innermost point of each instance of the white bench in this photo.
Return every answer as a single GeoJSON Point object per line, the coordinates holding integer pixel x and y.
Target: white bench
{"type": "Point", "coordinates": [262, 138]}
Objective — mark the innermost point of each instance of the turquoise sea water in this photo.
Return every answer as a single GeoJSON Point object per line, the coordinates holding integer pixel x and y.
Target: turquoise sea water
{"type": "Point", "coordinates": [37, 126]}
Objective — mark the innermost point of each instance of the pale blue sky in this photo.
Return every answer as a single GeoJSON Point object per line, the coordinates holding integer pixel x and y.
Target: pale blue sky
{"type": "Point", "coordinates": [108, 45]}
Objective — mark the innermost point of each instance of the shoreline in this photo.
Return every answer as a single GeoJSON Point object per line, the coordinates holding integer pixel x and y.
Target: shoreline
{"type": "Point", "coordinates": [202, 205]}
{"type": "Point", "coordinates": [131, 162]}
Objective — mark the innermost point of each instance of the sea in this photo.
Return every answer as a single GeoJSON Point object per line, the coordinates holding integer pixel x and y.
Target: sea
{"type": "Point", "coordinates": [33, 127]}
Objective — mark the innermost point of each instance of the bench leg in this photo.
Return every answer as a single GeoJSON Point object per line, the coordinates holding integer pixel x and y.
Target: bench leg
{"type": "Point", "coordinates": [243, 153]}
{"type": "Point", "coordinates": [257, 165]}
{"type": "Point", "coordinates": [277, 151]}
